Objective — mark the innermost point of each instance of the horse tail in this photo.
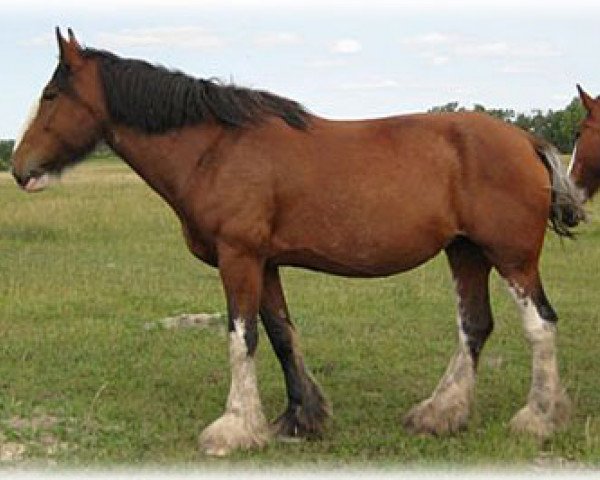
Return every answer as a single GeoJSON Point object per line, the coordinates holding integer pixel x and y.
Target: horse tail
{"type": "Point", "coordinates": [566, 209]}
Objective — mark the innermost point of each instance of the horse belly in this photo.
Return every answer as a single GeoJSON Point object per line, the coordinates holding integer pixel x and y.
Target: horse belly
{"type": "Point", "coordinates": [376, 204]}
{"type": "Point", "coordinates": [363, 246]}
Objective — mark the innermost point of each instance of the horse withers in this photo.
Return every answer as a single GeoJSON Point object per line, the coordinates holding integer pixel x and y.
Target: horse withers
{"type": "Point", "coordinates": [259, 183]}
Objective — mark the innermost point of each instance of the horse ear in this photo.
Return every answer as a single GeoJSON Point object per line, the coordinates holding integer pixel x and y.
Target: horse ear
{"type": "Point", "coordinates": [588, 102]}
{"type": "Point", "coordinates": [72, 40]}
{"type": "Point", "coordinates": [61, 43]}
{"type": "Point", "coordinates": [70, 51]}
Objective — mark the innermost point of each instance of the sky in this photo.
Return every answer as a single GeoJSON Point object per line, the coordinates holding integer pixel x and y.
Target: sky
{"type": "Point", "coordinates": [340, 59]}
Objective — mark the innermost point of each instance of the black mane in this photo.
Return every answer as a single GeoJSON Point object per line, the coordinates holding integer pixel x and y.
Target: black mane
{"type": "Point", "coordinates": [156, 100]}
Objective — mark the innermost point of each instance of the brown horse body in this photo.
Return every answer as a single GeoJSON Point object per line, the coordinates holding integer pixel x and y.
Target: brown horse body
{"type": "Point", "coordinates": [362, 198]}
{"type": "Point", "coordinates": [380, 210]}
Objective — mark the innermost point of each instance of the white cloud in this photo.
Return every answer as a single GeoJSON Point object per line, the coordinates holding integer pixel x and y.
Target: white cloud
{"type": "Point", "coordinates": [561, 97]}
{"type": "Point", "coordinates": [476, 49]}
{"type": "Point", "coordinates": [429, 39]}
{"type": "Point", "coordinates": [375, 84]}
{"type": "Point", "coordinates": [180, 37]}
{"type": "Point", "coordinates": [539, 50]}
{"type": "Point", "coordinates": [440, 48]}
{"type": "Point", "coordinates": [519, 69]}
{"type": "Point", "coordinates": [44, 40]}
{"type": "Point", "coordinates": [423, 6]}
{"type": "Point", "coordinates": [439, 60]}
{"type": "Point", "coordinates": [436, 59]}
{"type": "Point", "coordinates": [346, 46]}
{"type": "Point", "coordinates": [327, 63]}
{"type": "Point", "coordinates": [505, 49]}
{"type": "Point", "coordinates": [276, 39]}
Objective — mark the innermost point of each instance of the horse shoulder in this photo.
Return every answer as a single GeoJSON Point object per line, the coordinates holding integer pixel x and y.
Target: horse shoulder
{"type": "Point", "coordinates": [232, 197]}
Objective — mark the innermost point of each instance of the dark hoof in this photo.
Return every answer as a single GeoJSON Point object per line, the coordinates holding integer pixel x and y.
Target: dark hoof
{"type": "Point", "coordinates": [301, 423]}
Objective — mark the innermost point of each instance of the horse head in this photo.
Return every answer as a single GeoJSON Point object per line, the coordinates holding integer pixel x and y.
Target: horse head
{"type": "Point", "coordinates": [585, 164]}
{"type": "Point", "coordinates": [66, 121]}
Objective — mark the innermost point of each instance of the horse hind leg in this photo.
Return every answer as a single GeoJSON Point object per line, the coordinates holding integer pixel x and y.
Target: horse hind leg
{"type": "Point", "coordinates": [447, 409]}
{"type": "Point", "coordinates": [548, 405]}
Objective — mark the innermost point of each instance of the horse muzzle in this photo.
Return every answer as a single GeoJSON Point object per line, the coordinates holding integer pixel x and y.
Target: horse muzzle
{"type": "Point", "coordinates": [33, 181]}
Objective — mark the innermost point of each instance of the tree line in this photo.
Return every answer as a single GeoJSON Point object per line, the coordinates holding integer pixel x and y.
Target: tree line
{"type": "Point", "coordinates": [6, 148]}
{"type": "Point", "coordinates": [557, 126]}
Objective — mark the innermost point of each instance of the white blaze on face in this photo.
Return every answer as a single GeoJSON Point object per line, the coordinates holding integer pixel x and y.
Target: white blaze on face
{"type": "Point", "coordinates": [38, 183]}
{"type": "Point", "coordinates": [33, 112]}
{"type": "Point", "coordinates": [570, 169]}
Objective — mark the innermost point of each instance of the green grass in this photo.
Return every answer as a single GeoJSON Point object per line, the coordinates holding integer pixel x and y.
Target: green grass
{"type": "Point", "coordinates": [86, 264]}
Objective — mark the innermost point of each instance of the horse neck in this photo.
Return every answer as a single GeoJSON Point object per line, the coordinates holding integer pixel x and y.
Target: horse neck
{"type": "Point", "coordinates": [166, 161]}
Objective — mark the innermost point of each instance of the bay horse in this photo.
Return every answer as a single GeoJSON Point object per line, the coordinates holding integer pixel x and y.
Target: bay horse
{"type": "Point", "coordinates": [259, 183]}
{"type": "Point", "coordinates": [584, 168]}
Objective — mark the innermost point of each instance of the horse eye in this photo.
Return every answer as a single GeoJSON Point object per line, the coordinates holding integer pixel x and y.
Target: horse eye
{"type": "Point", "coordinates": [49, 95]}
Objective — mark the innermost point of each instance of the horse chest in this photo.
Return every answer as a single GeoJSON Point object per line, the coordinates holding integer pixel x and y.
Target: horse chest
{"type": "Point", "coordinates": [200, 246]}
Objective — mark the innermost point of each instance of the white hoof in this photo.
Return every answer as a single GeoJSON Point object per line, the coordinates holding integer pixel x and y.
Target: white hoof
{"type": "Point", "coordinates": [532, 420]}
{"type": "Point", "coordinates": [435, 417]}
{"type": "Point", "coordinates": [528, 421]}
{"type": "Point", "coordinates": [231, 432]}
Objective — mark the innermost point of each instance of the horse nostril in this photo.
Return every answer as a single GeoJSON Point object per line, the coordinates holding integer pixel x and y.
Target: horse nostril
{"type": "Point", "coordinates": [20, 179]}
{"type": "Point", "coordinates": [15, 176]}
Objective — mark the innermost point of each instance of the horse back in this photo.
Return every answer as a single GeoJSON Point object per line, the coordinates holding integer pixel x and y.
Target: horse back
{"type": "Point", "coordinates": [373, 197]}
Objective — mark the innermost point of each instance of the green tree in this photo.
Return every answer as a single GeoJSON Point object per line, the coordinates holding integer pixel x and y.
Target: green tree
{"type": "Point", "coordinates": [568, 126]}
{"type": "Point", "coordinates": [558, 127]}
{"type": "Point", "coordinates": [6, 148]}
{"type": "Point", "coordinates": [448, 108]}
{"type": "Point", "coordinates": [505, 114]}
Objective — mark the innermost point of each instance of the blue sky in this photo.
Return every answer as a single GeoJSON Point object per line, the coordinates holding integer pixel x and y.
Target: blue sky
{"type": "Point", "coordinates": [341, 59]}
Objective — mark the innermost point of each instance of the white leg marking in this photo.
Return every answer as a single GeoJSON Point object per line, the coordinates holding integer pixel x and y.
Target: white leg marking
{"type": "Point", "coordinates": [447, 410]}
{"type": "Point", "coordinates": [243, 395]}
{"type": "Point", "coordinates": [547, 405]}
{"type": "Point", "coordinates": [536, 328]}
{"type": "Point", "coordinates": [243, 425]}
{"type": "Point", "coordinates": [457, 385]}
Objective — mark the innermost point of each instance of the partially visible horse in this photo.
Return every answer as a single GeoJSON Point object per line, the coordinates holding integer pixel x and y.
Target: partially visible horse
{"type": "Point", "coordinates": [259, 183]}
{"type": "Point", "coordinates": [584, 169]}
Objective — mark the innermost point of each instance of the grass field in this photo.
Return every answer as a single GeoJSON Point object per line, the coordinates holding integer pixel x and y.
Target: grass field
{"type": "Point", "coordinates": [85, 265]}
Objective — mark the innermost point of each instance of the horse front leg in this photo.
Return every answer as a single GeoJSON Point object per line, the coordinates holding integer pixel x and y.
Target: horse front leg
{"type": "Point", "coordinates": [243, 425]}
{"type": "Point", "coordinates": [307, 408]}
